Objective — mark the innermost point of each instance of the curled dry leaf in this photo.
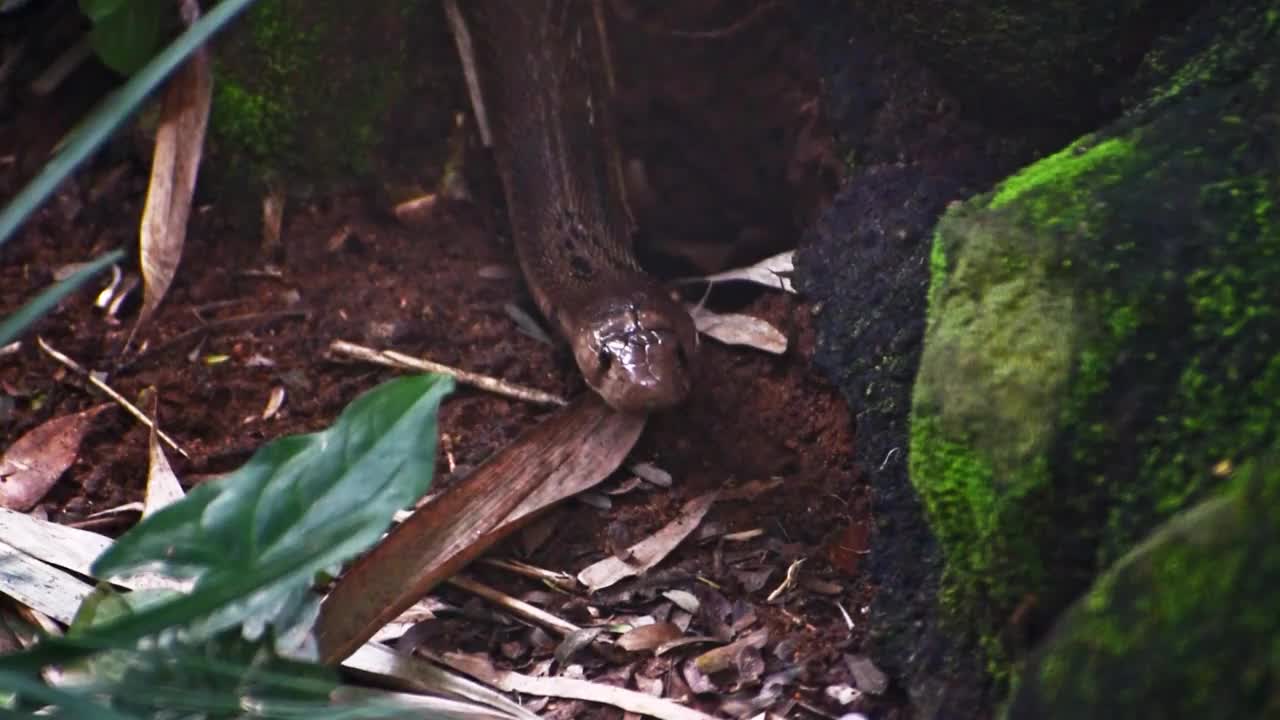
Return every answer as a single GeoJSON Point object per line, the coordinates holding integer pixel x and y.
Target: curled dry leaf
{"type": "Point", "coordinates": [184, 117]}
{"type": "Point", "coordinates": [683, 599]}
{"type": "Point", "coordinates": [35, 461]}
{"type": "Point", "coordinates": [650, 551]}
{"type": "Point", "coordinates": [648, 637]}
{"type": "Point", "coordinates": [739, 329]}
{"type": "Point", "coordinates": [162, 484]}
{"type": "Point", "coordinates": [774, 272]}
{"type": "Point", "coordinates": [651, 473]}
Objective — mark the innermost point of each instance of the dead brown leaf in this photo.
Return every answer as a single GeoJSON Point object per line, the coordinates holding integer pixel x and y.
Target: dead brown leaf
{"type": "Point", "coordinates": [649, 552]}
{"type": "Point", "coordinates": [574, 449]}
{"type": "Point", "coordinates": [648, 637]}
{"type": "Point", "coordinates": [35, 461]}
{"type": "Point", "coordinates": [175, 164]}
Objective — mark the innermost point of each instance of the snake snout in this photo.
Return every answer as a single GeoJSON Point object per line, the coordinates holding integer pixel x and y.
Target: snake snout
{"type": "Point", "coordinates": [640, 361]}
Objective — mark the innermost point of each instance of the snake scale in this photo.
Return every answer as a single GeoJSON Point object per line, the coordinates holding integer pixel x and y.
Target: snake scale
{"type": "Point", "coordinates": [543, 77]}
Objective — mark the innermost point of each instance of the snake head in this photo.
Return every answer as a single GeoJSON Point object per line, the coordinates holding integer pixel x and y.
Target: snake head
{"type": "Point", "coordinates": [636, 350]}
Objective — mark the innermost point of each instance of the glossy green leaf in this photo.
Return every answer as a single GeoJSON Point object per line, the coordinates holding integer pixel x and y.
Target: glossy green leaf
{"type": "Point", "coordinates": [301, 504]}
{"type": "Point", "coordinates": [111, 112]}
{"type": "Point", "coordinates": [97, 10]}
{"type": "Point", "coordinates": [40, 305]}
{"type": "Point", "coordinates": [126, 34]}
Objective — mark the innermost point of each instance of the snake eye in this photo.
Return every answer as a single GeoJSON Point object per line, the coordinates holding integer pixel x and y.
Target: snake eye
{"type": "Point", "coordinates": [682, 357]}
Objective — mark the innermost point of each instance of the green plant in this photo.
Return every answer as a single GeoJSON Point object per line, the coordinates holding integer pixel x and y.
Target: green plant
{"type": "Point", "coordinates": [253, 541]}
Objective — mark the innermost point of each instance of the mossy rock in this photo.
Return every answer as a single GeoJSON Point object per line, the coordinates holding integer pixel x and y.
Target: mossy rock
{"type": "Point", "coordinates": [1040, 60]}
{"type": "Point", "coordinates": [1185, 626]}
{"type": "Point", "coordinates": [1103, 340]}
{"type": "Point", "coordinates": [310, 96]}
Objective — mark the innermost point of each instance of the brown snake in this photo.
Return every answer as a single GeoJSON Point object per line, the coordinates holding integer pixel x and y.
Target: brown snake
{"type": "Point", "coordinates": [543, 79]}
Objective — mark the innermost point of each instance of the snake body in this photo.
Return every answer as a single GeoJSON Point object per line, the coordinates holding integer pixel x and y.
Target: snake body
{"type": "Point", "coordinates": [543, 83]}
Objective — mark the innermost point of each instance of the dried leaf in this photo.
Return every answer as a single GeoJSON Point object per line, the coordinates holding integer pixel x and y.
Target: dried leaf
{"type": "Point", "coordinates": [650, 551]}
{"type": "Point", "coordinates": [162, 484]}
{"type": "Point", "coordinates": [480, 668]}
{"type": "Point", "coordinates": [574, 449]}
{"type": "Point", "coordinates": [651, 473]}
{"type": "Point", "coordinates": [648, 637]}
{"type": "Point", "coordinates": [774, 272]}
{"type": "Point", "coordinates": [684, 599]}
{"type": "Point", "coordinates": [739, 329]}
{"type": "Point", "coordinates": [35, 461]}
{"type": "Point", "coordinates": [174, 167]}
{"type": "Point", "coordinates": [731, 655]}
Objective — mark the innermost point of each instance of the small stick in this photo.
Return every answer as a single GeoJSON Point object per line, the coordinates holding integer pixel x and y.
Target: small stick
{"type": "Point", "coordinates": [561, 580]}
{"type": "Point", "coordinates": [391, 358]}
{"type": "Point", "coordinates": [133, 409]}
{"type": "Point", "coordinates": [519, 608]}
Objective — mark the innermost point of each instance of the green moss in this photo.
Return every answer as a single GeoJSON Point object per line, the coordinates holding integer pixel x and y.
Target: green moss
{"type": "Point", "coordinates": [1103, 333]}
{"type": "Point", "coordinates": [1183, 626]}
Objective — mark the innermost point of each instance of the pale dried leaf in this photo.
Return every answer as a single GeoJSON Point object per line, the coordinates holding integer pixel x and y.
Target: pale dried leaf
{"type": "Point", "coordinates": [683, 599]}
{"type": "Point", "coordinates": [739, 329]}
{"type": "Point", "coordinates": [773, 272]}
{"type": "Point", "coordinates": [73, 549]}
{"type": "Point", "coordinates": [651, 473]}
{"type": "Point", "coordinates": [274, 402]}
{"type": "Point", "coordinates": [39, 586]}
{"type": "Point", "coordinates": [412, 673]}
{"type": "Point", "coordinates": [184, 116]}
{"type": "Point", "coordinates": [648, 637]}
{"type": "Point", "coordinates": [35, 461]}
{"type": "Point", "coordinates": [480, 668]}
{"type": "Point", "coordinates": [650, 551]}
{"type": "Point", "coordinates": [163, 488]}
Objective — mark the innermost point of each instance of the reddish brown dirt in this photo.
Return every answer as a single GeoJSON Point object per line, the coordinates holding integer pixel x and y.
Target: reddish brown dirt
{"type": "Point", "coordinates": [768, 430]}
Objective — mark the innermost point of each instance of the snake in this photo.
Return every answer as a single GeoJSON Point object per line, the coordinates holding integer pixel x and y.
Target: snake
{"type": "Point", "coordinates": [544, 79]}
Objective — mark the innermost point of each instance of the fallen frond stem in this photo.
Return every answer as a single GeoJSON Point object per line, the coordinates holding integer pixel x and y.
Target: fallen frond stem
{"type": "Point", "coordinates": [562, 580]}
{"type": "Point", "coordinates": [394, 359]}
{"type": "Point", "coordinates": [519, 608]}
{"type": "Point", "coordinates": [111, 393]}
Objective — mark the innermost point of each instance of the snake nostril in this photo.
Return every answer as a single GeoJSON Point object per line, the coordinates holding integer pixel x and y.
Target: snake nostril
{"type": "Point", "coordinates": [605, 359]}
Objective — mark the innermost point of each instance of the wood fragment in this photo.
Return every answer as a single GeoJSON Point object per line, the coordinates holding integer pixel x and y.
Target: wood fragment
{"type": "Point", "coordinates": [110, 392]}
{"type": "Point", "coordinates": [391, 358]}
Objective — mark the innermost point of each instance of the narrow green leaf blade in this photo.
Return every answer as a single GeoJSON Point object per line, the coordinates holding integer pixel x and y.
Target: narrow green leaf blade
{"type": "Point", "coordinates": [40, 305]}
{"type": "Point", "coordinates": [111, 112]}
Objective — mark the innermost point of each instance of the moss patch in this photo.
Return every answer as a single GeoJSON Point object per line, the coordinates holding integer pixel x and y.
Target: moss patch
{"type": "Point", "coordinates": [1103, 334]}
{"type": "Point", "coordinates": [1183, 626]}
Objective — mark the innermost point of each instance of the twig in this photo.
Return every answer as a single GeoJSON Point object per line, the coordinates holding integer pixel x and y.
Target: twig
{"type": "Point", "coordinates": [133, 409]}
{"type": "Point", "coordinates": [248, 319]}
{"type": "Point", "coordinates": [564, 581]}
{"type": "Point", "coordinates": [467, 53]}
{"type": "Point", "coordinates": [519, 608]}
{"type": "Point", "coordinates": [391, 358]}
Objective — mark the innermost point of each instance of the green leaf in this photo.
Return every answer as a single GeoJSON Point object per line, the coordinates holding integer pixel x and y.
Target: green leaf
{"type": "Point", "coordinates": [41, 304]}
{"type": "Point", "coordinates": [110, 113]}
{"type": "Point", "coordinates": [99, 9]}
{"type": "Point", "coordinates": [126, 34]}
{"type": "Point", "coordinates": [254, 539]}
{"type": "Point", "coordinates": [300, 505]}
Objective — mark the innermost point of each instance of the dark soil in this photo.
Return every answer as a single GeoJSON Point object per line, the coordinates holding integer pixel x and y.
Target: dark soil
{"type": "Point", "coordinates": [729, 130]}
